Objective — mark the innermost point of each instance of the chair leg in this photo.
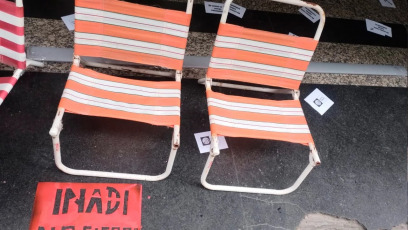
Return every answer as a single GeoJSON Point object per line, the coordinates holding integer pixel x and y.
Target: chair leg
{"type": "Point", "coordinates": [56, 130]}
{"type": "Point", "coordinates": [313, 161]}
{"type": "Point", "coordinates": [34, 63]}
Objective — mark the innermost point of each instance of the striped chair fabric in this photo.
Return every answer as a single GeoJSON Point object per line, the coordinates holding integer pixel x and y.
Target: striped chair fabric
{"type": "Point", "coordinates": [131, 32]}
{"type": "Point", "coordinates": [260, 57]}
{"type": "Point", "coordinates": [236, 116]}
{"type": "Point", "coordinates": [91, 93]}
{"type": "Point", "coordinates": [12, 50]}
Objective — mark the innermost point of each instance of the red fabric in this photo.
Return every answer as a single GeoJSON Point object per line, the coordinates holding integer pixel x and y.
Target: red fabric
{"type": "Point", "coordinates": [12, 28]}
{"type": "Point", "coordinates": [12, 46]}
{"type": "Point", "coordinates": [87, 206]}
{"type": "Point", "coordinates": [11, 8]}
{"type": "Point", "coordinates": [10, 80]}
{"type": "Point", "coordinates": [12, 62]}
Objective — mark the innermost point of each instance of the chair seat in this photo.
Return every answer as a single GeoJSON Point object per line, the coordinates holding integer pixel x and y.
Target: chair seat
{"type": "Point", "coordinates": [236, 116]}
{"type": "Point", "coordinates": [91, 93]}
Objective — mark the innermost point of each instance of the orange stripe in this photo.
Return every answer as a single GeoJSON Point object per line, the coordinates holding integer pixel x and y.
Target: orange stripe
{"type": "Point", "coordinates": [265, 36]}
{"type": "Point", "coordinates": [127, 98]}
{"type": "Point", "coordinates": [236, 132]}
{"type": "Point", "coordinates": [259, 117]}
{"type": "Point", "coordinates": [266, 59]}
{"type": "Point", "coordinates": [151, 84]}
{"type": "Point", "coordinates": [129, 33]}
{"type": "Point", "coordinates": [253, 78]}
{"type": "Point", "coordinates": [255, 101]}
{"type": "Point", "coordinates": [121, 7]}
{"type": "Point", "coordinates": [78, 108]}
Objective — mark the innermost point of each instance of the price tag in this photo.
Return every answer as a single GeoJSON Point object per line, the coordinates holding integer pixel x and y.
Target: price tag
{"type": "Point", "coordinates": [378, 28]}
{"type": "Point", "coordinates": [310, 14]}
{"type": "Point", "coordinates": [216, 8]}
{"type": "Point", "coordinates": [319, 101]}
{"type": "Point", "coordinates": [387, 3]}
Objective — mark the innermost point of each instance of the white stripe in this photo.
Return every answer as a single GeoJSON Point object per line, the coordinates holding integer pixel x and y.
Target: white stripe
{"type": "Point", "coordinates": [12, 54]}
{"type": "Point", "coordinates": [11, 19]}
{"type": "Point", "coordinates": [1, 101]}
{"type": "Point", "coordinates": [221, 63]}
{"type": "Point", "coordinates": [123, 88]}
{"type": "Point", "coordinates": [128, 44]}
{"type": "Point", "coordinates": [261, 126]}
{"type": "Point", "coordinates": [264, 109]}
{"type": "Point", "coordinates": [263, 47]}
{"type": "Point", "coordinates": [131, 22]}
{"type": "Point", "coordinates": [121, 106]}
{"type": "Point", "coordinates": [12, 37]}
{"type": "Point", "coordinates": [6, 87]}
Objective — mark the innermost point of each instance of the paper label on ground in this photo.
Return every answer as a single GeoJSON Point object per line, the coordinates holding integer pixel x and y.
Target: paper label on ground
{"type": "Point", "coordinates": [378, 28]}
{"type": "Point", "coordinates": [216, 8]}
{"type": "Point", "coordinates": [320, 102]}
{"type": "Point", "coordinates": [310, 14]}
{"type": "Point", "coordinates": [203, 140]}
{"type": "Point", "coordinates": [69, 21]}
{"type": "Point", "coordinates": [237, 10]}
{"type": "Point", "coordinates": [213, 7]}
{"type": "Point", "coordinates": [90, 206]}
{"type": "Point", "coordinates": [292, 34]}
{"type": "Point", "coordinates": [387, 3]}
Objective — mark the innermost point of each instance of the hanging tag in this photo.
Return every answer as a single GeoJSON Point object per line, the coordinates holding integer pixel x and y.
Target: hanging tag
{"type": "Point", "coordinates": [213, 7]}
{"type": "Point", "coordinates": [237, 10]}
{"type": "Point", "coordinates": [69, 21]}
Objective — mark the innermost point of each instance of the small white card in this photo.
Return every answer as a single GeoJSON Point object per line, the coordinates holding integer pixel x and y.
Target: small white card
{"type": "Point", "coordinates": [292, 34]}
{"type": "Point", "coordinates": [387, 3]}
{"type": "Point", "coordinates": [237, 10]}
{"type": "Point", "coordinates": [216, 8]}
{"type": "Point", "coordinates": [310, 14]}
{"type": "Point", "coordinates": [204, 141]}
{"type": "Point", "coordinates": [69, 21]}
{"type": "Point", "coordinates": [320, 102]}
{"type": "Point", "coordinates": [378, 28]}
{"type": "Point", "coordinates": [213, 7]}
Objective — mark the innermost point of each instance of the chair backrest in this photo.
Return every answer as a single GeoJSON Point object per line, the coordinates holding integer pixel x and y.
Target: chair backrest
{"type": "Point", "coordinates": [261, 57]}
{"type": "Point", "coordinates": [131, 32]}
{"type": "Point", "coordinates": [12, 49]}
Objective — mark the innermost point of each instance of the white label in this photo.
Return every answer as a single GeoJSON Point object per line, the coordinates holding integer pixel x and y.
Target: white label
{"type": "Point", "coordinates": [320, 102]}
{"type": "Point", "coordinates": [378, 28]}
{"type": "Point", "coordinates": [310, 14]}
{"type": "Point", "coordinates": [237, 10]}
{"type": "Point", "coordinates": [216, 8]}
{"type": "Point", "coordinates": [69, 21]}
{"type": "Point", "coordinates": [292, 34]}
{"type": "Point", "coordinates": [213, 7]}
{"type": "Point", "coordinates": [387, 3]}
{"type": "Point", "coordinates": [204, 141]}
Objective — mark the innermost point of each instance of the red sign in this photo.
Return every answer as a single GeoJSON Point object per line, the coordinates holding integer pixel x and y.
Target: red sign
{"type": "Point", "coordinates": [87, 206]}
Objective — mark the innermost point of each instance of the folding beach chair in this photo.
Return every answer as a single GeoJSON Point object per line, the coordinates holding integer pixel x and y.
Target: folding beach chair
{"type": "Point", "coordinates": [264, 58]}
{"type": "Point", "coordinates": [12, 49]}
{"type": "Point", "coordinates": [125, 32]}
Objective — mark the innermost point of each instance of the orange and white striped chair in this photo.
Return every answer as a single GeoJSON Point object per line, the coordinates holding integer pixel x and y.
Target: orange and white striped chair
{"type": "Point", "coordinates": [127, 32]}
{"type": "Point", "coordinates": [264, 58]}
{"type": "Point", "coordinates": [12, 49]}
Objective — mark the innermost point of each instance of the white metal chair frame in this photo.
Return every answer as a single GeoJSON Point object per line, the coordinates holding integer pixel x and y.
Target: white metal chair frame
{"type": "Point", "coordinates": [57, 128]}
{"type": "Point", "coordinates": [314, 159]}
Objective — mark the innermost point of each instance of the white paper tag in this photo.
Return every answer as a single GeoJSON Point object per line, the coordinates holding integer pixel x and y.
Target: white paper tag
{"type": "Point", "coordinates": [320, 102]}
{"type": "Point", "coordinates": [213, 7]}
{"type": "Point", "coordinates": [204, 141]}
{"type": "Point", "coordinates": [387, 3]}
{"type": "Point", "coordinates": [292, 34]}
{"type": "Point", "coordinates": [69, 21]}
{"type": "Point", "coordinates": [310, 14]}
{"type": "Point", "coordinates": [378, 28]}
{"type": "Point", "coordinates": [216, 8]}
{"type": "Point", "coordinates": [237, 10]}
